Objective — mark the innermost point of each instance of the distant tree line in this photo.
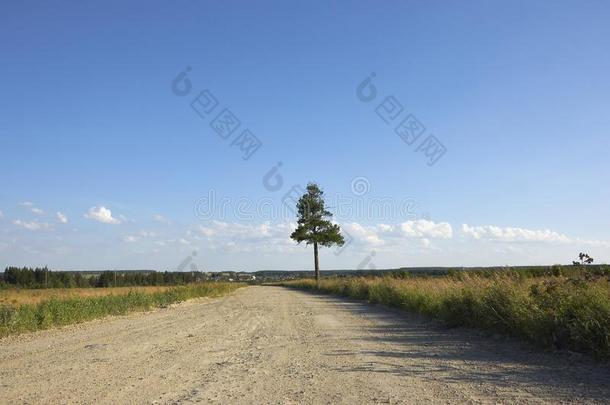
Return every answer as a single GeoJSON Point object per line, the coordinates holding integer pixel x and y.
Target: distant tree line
{"type": "Point", "coordinates": [535, 271]}
{"type": "Point", "coordinates": [42, 277]}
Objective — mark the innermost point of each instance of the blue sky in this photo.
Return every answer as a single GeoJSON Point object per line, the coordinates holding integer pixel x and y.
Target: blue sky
{"type": "Point", "coordinates": [516, 92]}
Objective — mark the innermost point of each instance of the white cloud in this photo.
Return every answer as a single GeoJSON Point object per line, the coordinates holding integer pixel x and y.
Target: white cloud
{"type": "Point", "coordinates": [395, 235]}
{"type": "Point", "coordinates": [235, 237]}
{"type": "Point", "coordinates": [140, 235]}
{"type": "Point", "coordinates": [206, 230]}
{"type": "Point", "coordinates": [423, 228]}
{"type": "Point", "coordinates": [33, 225]}
{"type": "Point", "coordinates": [62, 218]}
{"type": "Point", "coordinates": [367, 235]}
{"type": "Point", "coordinates": [593, 243]}
{"type": "Point", "coordinates": [1, 215]}
{"type": "Point", "coordinates": [510, 234]}
{"type": "Point", "coordinates": [160, 218]}
{"type": "Point", "coordinates": [30, 205]}
{"type": "Point", "coordinates": [275, 237]}
{"type": "Point", "coordinates": [101, 214]}
{"type": "Point", "coordinates": [385, 228]}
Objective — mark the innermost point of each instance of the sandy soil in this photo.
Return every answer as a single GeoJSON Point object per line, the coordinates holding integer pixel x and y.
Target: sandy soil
{"type": "Point", "coordinates": [274, 345]}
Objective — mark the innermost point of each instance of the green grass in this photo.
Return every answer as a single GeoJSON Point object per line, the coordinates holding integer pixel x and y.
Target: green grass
{"type": "Point", "coordinates": [550, 311]}
{"type": "Point", "coordinates": [59, 312]}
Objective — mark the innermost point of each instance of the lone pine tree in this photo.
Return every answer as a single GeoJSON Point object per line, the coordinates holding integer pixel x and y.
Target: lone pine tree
{"type": "Point", "coordinates": [314, 226]}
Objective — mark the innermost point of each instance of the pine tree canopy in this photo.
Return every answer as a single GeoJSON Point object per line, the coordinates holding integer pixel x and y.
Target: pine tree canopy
{"type": "Point", "coordinates": [314, 225]}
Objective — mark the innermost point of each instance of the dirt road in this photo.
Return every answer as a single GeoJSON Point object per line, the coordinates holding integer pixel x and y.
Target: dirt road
{"type": "Point", "coordinates": [274, 345]}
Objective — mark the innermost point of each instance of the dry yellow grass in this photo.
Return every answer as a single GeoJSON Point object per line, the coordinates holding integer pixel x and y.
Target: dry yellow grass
{"type": "Point", "coordinates": [29, 310]}
{"type": "Point", "coordinates": [553, 311]}
{"type": "Point", "coordinates": [16, 297]}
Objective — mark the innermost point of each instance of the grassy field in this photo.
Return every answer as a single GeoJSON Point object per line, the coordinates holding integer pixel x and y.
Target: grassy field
{"type": "Point", "coordinates": [29, 310]}
{"type": "Point", "coordinates": [551, 311]}
{"type": "Point", "coordinates": [20, 296]}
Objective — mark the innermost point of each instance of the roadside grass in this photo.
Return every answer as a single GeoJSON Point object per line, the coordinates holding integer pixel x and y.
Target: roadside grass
{"type": "Point", "coordinates": [20, 296]}
{"type": "Point", "coordinates": [550, 311]}
{"type": "Point", "coordinates": [62, 310]}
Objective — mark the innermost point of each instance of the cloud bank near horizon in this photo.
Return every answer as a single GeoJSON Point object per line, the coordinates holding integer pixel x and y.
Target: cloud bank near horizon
{"type": "Point", "coordinates": [158, 239]}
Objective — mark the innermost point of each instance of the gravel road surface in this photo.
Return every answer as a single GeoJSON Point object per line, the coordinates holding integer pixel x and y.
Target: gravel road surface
{"type": "Point", "coordinates": [276, 345]}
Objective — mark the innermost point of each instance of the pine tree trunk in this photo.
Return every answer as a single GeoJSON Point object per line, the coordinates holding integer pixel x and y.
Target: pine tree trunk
{"type": "Point", "coordinates": [316, 263]}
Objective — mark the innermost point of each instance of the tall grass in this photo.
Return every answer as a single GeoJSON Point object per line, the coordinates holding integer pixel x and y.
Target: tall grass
{"type": "Point", "coordinates": [554, 312]}
{"type": "Point", "coordinates": [64, 311]}
{"type": "Point", "coordinates": [19, 296]}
